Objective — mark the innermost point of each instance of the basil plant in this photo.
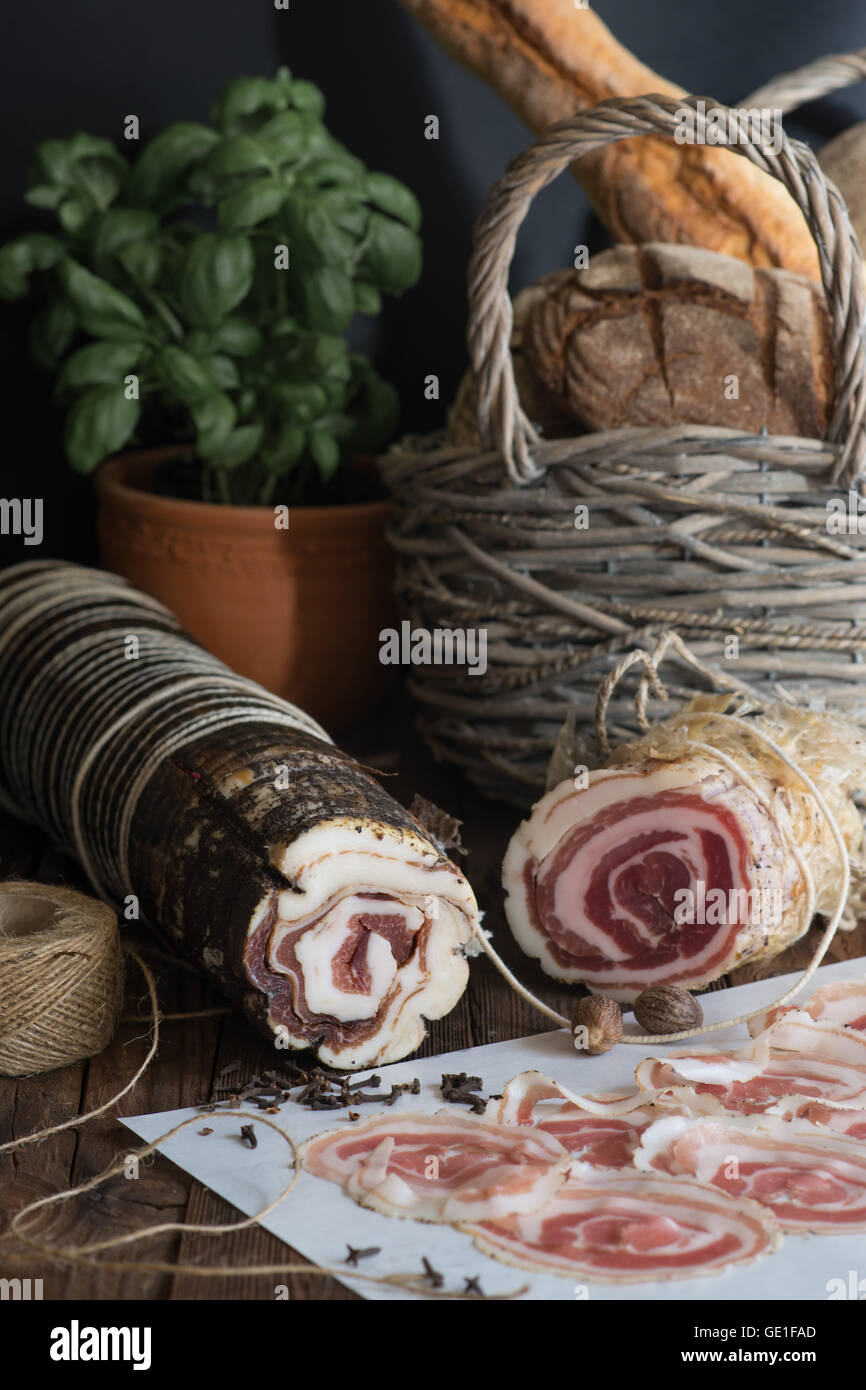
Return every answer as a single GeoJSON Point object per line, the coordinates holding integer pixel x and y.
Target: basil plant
{"type": "Point", "coordinates": [205, 287]}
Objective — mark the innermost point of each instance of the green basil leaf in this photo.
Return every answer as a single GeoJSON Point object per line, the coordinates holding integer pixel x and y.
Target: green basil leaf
{"type": "Point", "coordinates": [99, 423]}
{"type": "Point", "coordinates": [120, 226]}
{"type": "Point", "coordinates": [101, 309]}
{"type": "Point", "coordinates": [42, 195]}
{"type": "Point", "coordinates": [376, 409]}
{"type": "Point", "coordinates": [214, 421]}
{"type": "Point", "coordinates": [157, 176]}
{"type": "Point", "coordinates": [328, 356]}
{"type": "Point", "coordinates": [326, 452]}
{"type": "Point", "coordinates": [55, 160]}
{"type": "Point", "coordinates": [368, 300]}
{"type": "Point", "coordinates": [19, 258]}
{"type": "Point", "coordinates": [223, 371]}
{"type": "Point", "coordinates": [287, 134]}
{"type": "Point", "coordinates": [73, 213]}
{"type": "Point", "coordinates": [98, 364]}
{"type": "Point", "coordinates": [237, 337]}
{"type": "Point", "coordinates": [288, 447]}
{"type": "Point", "coordinates": [392, 255]}
{"type": "Point", "coordinates": [238, 154]}
{"type": "Point", "coordinates": [97, 182]}
{"type": "Point", "coordinates": [244, 98]}
{"type": "Point", "coordinates": [394, 197]}
{"type": "Point", "coordinates": [238, 447]}
{"type": "Point", "coordinates": [217, 275]}
{"type": "Point", "coordinates": [314, 235]}
{"type": "Point", "coordinates": [306, 96]}
{"type": "Point", "coordinates": [251, 204]}
{"type": "Point", "coordinates": [329, 299]}
{"type": "Point", "coordinates": [285, 327]}
{"type": "Point", "coordinates": [333, 169]}
{"type": "Point", "coordinates": [51, 332]}
{"type": "Point", "coordinates": [345, 209]}
{"type": "Point", "coordinates": [303, 402]}
{"type": "Point", "coordinates": [339, 425]}
{"type": "Point", "coordinates": [184, 375]}
{"type": "Point", "coordinates": [141, 260]}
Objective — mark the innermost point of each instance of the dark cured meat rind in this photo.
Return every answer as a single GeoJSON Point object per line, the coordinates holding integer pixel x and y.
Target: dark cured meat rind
{"type": "Point", "coordinates": [202, 836]}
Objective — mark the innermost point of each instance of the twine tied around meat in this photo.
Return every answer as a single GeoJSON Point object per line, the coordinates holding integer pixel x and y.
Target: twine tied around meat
{"type": "Point", "coordinates": [83, 925]}
{"type": "Point", "coordinates": [61, 977]}
{"type": "Point", "coordinates": [649, 682]}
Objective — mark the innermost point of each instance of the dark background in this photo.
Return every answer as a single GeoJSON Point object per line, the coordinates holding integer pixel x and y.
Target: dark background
{"type": "Point", "coordinates": [85, 65]}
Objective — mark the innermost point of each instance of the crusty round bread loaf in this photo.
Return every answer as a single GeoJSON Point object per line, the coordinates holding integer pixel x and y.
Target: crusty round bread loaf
{"type": "Point", "coordinates": [659, 335]}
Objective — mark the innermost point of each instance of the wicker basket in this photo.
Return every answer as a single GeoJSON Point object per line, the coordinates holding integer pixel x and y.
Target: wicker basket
{"type": "Point", "coordinates": [704, 531]}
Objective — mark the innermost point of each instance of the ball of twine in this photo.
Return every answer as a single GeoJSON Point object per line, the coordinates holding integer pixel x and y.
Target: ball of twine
{"type": "Point", "coordinates": [61, 977]}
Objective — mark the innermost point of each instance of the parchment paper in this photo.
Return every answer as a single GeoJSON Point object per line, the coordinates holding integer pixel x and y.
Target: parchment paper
{"type": "Point", "coordinates": [319, 1220]}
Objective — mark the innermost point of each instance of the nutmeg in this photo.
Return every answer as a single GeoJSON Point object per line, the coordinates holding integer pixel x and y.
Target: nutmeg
{"type": "Point", "coordinates": [597, 1024]}
{"type": "Point", "coordinates": [667, 1009]}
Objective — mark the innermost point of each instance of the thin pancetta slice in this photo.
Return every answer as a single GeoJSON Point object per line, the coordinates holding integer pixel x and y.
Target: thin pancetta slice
{"type": "Point", "coordinates": [842, 1002]}
{"type": "Point", "coordinates": [627, 1227]}
{"type": "Point", "coordinates": [809, 1181]}
{"type": "Point", "coordinates": [605, 1140]}
{"type": "Point", "coordinates": [850, 1122]}
{"type": "Point", "coordinates": [676, 863]}
{"type": "Point", "coordinates": [792, 1064]}
{"type": "Point", "coordinates": [444, 1167]}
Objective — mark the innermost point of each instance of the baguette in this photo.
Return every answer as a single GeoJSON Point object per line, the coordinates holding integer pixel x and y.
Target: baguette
{"type": "Point", "coordinates": [549, 59]}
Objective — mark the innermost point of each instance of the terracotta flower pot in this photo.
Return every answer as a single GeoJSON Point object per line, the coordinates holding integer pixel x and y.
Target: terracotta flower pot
{"type": "Point", "coordinates": [298, 610]}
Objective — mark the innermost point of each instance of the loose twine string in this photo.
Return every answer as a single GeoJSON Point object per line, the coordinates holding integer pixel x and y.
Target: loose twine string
{"type": "Point", "coordinates": [81, 750]}
{"type": "Point", "coordinates": [20, 1226]}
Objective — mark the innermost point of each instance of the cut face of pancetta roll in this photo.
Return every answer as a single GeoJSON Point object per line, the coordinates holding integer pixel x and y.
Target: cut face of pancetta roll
{"type": "Point", "coordinates": [626, 1227]}
{"type": "Point", "coordinates": [442, 1167]}
{"type": "Point", "coordinates": [809, 1181]}
{"type": "Point", "coordinates": [696, 849]}
{"type": "Point", "coordinates": [227, 818]}
{"type": "Point", "coordinates": [369, 937]}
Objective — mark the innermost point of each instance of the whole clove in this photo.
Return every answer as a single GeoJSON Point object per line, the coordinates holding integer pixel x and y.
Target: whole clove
{"type": "Point", "coordinates": [355, 1255]}
{"type": "Point", "coordinates": [433, 1277]}
{"type": "Point", "coordinates": [474, 1286]}
{"type": "Point", "coordinates": [248, 1135]}
{"type": "Point", "coordinates": [460, 1089]}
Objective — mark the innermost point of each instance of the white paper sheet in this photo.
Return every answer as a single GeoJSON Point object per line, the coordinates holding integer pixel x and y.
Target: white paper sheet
{"type": "Point", "coordinates": [319, 1220]}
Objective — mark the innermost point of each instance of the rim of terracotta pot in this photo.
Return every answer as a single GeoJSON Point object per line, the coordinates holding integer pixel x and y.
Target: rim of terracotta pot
{"type": "Point", "coordinates": [124, 480]}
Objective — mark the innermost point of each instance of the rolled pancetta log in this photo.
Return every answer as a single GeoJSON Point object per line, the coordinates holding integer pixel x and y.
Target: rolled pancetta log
{"type": "Point", "coordinates": [697, 848]}
{"type": "Point", "coordinates": [222, 814]}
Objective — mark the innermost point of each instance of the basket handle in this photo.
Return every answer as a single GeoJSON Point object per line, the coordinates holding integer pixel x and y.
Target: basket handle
{"type": "Point", "coordinates": [808, 83]}
{"type": "Point", "coordinates": [501, 421]}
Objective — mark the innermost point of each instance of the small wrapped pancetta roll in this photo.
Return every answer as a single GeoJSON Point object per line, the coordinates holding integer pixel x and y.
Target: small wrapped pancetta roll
{"type": "Point", "coordinates": [710, 841]}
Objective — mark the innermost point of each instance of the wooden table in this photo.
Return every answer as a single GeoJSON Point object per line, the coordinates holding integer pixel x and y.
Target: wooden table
{"type": "Point", "coordinates": [193, 1054]}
